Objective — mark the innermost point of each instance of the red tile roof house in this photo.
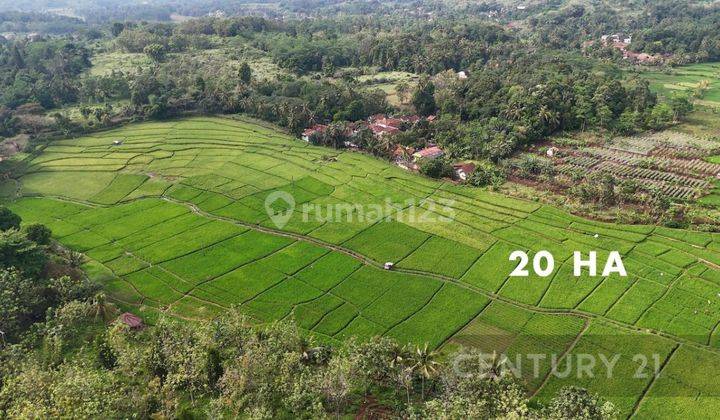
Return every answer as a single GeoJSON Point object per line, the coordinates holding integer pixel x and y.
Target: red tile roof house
{"type": "Point", "coordinates": [394, 122]}
{"type": "Point", "coordinates": [643, 58]}
{"type": "Point", "coordinates": [464, 170]}
{"type": "Point", "coordinates": [317, 128]}
{"type": "Point", "coordinates": [389, 122]}
{"type": "Point", "coordinates": [402, 156]}
{"type": "Point", "coordinates": [382, 130]}
{"type": "Point", "coordinates": [433, 152]}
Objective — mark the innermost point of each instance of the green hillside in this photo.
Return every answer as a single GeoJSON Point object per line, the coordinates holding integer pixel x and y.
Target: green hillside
{"type": "Point", "coordinates": [173, 219]}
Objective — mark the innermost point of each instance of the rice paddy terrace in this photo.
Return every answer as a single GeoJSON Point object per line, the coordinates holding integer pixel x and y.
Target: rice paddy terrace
{"type": "Point", "coordinates": [690, 78]}
{"type": "Point", "coordinates": [173, 218]}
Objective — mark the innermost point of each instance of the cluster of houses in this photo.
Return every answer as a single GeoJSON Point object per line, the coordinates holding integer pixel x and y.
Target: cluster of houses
{"type": "Point", "coordinates": [622, 42]}
{"type": "Point", "coordinates": [32, 36]}
{"type": "Point", "coordinates": [407, 158]}
{"type": "Point", "coordinates": [381, 125]}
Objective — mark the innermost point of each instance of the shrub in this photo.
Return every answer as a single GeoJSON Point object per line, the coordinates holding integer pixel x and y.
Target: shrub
{"type": "Point", "coordinates": [8, 219]}
{"type": "Point", "coordinates": [38, 233]}
{"type": "Point", "coordinates": [487, 174]}
{"type": "Point", "coordinates": [436, 168]}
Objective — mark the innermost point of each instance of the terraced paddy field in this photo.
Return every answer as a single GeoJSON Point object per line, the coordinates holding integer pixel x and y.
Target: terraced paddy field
{"type": "Point", "coordinates": [689, 78]}
{"type": "Point", "coordinates": [175, 219]}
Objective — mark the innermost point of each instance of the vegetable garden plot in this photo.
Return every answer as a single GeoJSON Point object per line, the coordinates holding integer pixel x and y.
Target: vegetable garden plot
{"type": "Point", "coordinates": [670, 161]}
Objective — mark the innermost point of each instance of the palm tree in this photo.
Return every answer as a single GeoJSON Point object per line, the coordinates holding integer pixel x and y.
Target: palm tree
{"type": "Point", "coordinates": [402, 88]}
{"type": "Point", "coordinates": [424, 363]}
{"type": "Point", "coordinates": [398, 356]}
{"type": "Point", "coordinates": [101, 308]}
{"type": "Point", "coordinates": [496, 367]}
{"type": "Point", "coordinates": [549, 117]}
{"type": "Point", "coordinates": [404, 378]}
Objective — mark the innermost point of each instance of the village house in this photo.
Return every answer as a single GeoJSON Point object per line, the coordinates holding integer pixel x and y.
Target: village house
{"type": "Point", "coordinates": [642, 58]}
{"type": "Point", "coordinates": [621, 43]}
{"type": "Point", "coordinates": [403, 157]}
{"type": "Point", "coordinates": [428, 153]}
{"type": "Point", "coordinates": [317, 128]}
{"type": "Point", "coordinates": [463, 170]}
{"type": "Point", "coordinates": [382, 130]}
{"type": "Point", "coordinates": [382, 125]}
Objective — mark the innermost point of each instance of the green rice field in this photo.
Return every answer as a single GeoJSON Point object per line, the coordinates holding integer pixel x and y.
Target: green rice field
{"type": "Point", "coordinates": [688, 78]}
{"type": "Point", "coordinates": [174, 220]}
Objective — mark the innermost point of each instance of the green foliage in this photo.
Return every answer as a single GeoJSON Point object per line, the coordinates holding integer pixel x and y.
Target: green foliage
{"type": "Point", "coordinates": [8, 219]}
{"type": "Point", "coordinates": [228, 367]}
{"type": "Point", "coordinates": [39, 72]}
{"type": "Point", "coordinates": [16, 250]}
{"type": "Point", "coordinates": [486, 174]}
{"type": "Point", "coordinates": [155, 51]}
{"type": "Point", "coordinates": [335, 136]}
{"type": "Point", "coordinates": [436, 168]}
{"type": "Point", "coordinates": [245, 73]}
{"type": "Point", "coordinates": [578, 403]}
{"type": "Point", "coordinates": [116, 28]}
{"type": "Point", "coordinates": [38, 233]}
{"type": "Point", "coordinates": [531, 166]}
{"type": "Point", "coordinates": [8, 122]}
{"type": "Point", "coordinates": [73, 390]}
{"type": "Point", "coordinates": [598, 188]}
{"type": "Point", "coordinates": [20, 302]}
{"type": "Point", "coordinates": [423, 99]}
{"type": "Point", "coordinates": [661, 116]}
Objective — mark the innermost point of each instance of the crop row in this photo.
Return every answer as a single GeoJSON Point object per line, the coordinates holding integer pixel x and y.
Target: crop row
{"type": "Point", "coordinates": [582, 161]}
{"type": "Point", "coordinates": [652, 175]}
{"type": "Point", "coordinates": [693, 165]}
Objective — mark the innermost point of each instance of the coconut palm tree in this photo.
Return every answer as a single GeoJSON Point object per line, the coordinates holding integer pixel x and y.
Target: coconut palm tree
{"type": "Point", "coordinates": [549, 117]}
{"type": "Point", "coordinates": [101, 308]}
{"type": "Point", "coordinates": [495, 368]}
{"type": "Point", "coordinates": [425, 365]}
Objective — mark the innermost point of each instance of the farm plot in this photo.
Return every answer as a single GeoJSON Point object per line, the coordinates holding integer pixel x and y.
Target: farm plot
{"type": "Point", "coordinates": [518, 335]}
{"type": "Point", "coordinates": [671, 161]}
{"type": "Point", "coordinates": [690, 78]}
{"type": "Point", "coordinates": [636, 358]}
{"type": "Point", "coordinates": [181, 217]}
